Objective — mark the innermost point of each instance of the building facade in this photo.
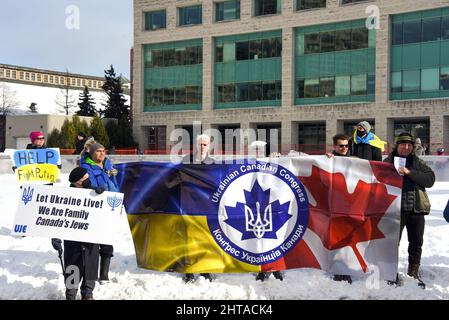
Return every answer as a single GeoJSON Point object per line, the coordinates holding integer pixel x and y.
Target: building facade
{"type": "Point", "coordinates": [306, 68]}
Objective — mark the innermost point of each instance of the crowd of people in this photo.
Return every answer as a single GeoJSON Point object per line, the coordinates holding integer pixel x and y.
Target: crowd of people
{"type": "Point", "coordinates": [95, 171]}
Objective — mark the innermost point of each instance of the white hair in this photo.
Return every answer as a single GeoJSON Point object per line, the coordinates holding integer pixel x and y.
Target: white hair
{"type": "Point", "coordinates": [201, 137]}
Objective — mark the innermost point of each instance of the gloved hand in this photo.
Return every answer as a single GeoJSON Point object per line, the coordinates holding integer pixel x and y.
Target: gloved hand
{"type": "Point", "coordinates": [57, 244]}
{"type": "Point", "coordinates": [113, 172]}
{"type": "Point", "coordinates": [100, 190]}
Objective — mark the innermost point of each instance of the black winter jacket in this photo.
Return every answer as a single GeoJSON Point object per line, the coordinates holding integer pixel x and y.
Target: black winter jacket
{"type": "Point", "coordinates": [365, 151]}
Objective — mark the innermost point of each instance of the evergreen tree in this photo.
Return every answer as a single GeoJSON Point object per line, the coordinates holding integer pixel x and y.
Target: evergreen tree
{"type": "Point", "coordinates": [98, 131]}
{"type": "Point", "coordinates": [120, 134]}
{"type": "Point", "coordinates": [80, 126]}
{"type": "Point", "coordinates": [54, 139]}
{"type": "Point", "coordinates": [86, 104]}
{"type": "Point", "coordinates": [68, 135]}
{"type": "Point", "coordinates": [115, 107]}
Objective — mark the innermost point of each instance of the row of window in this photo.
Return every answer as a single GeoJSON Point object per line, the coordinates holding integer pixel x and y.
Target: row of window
{"type": "Point", "coordinates": [253, 91]}
{"type": "Point", "coordinates": [338, 86]}
{"type": "Point", "coordinates": [431, 79]}
{"type": "Point", "coordinates": [337, 40]}
{"type": "Point", "coordinates": [174, 57]}
{"type": "Point", "coordinates": [433, 29]}
{"type": "Point", "coordinates": [50, 79]}
{"type": "Point", "coordinates": [173, 96]}
{"type": "Point", "coordinates": [249, 50]}
{"type": "Point", "coordinates": [227, 11]}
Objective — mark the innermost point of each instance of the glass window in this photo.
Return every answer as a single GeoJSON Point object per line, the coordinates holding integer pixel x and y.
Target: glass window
{"type": "Point", "coordinates": [242, 50]}
{"type": "Point", "coordinates": [169, 57]}
{"type": "Point", "coordinates": [157, 58]}
{"type": "Point", "coordinates": [219, 97]}
{"type": "Point", "coordinates": [445, 28]}
{"type": "Point", "coordinates": [190, 15]}
{"type": "Point", "coordinates": [412, 32]}
{"type": "Point", "coordinates": [180, 95]}
{"type": "Point", "coordinates": [327, 87]}
{"type": "Point", "coordinates": [359, 38]}
{"type": "Point", "coordinates": [342, 86]}
{"type": "Point", "coordinates": [229, 93]}
{"type": "Point", "coordinates": [300, 89]}
{"type": "Point", "coordinates": [242, 92]}
{"type": "Point", "coordinates": [255, 92]}
{"type": "Point", "coordinates": [155, 20]}
{"type": "Point", "coordinates": [418, 128]}
{"type": "Point", "coordinates": [396, 81]}
{"type": "Point", "coordinates": [327, 41]}
{"type": "Point", "coordinates": [411, 80]}
{"type": "Point", "coordinates": [351, 1]}
{"type": "Point", "coordinates": [219, 53]}
{"type": "Point", "coordinates": [397, 33]}
{"type": "Point", "coordinates": [169, 96]}
{"type": "Point", "coordinates": [264, 7]}
{"type": "Point", "coordinates": [371, 84]}
{"type": "Point", "coordinates": [180, 56]}
{"type": "Point", "coordinates": [278, 90]}
{"type": "Point", "coordinates": [430, 79]}
{"type": "Point", "coordinates": [193, 55]}
{"type": "Point", "coordinates": [193, 95]}
{"type": "Point", "coordinates": [444, 78]}
{"type": "Point", "coordinates": [431, 29]}
{"type": "Point", "coordinates": [312, 88]}
{"type": "Point", "coordinates": [268, 48]}
{"type": "Point", "coordinates": [228, 10]}
{"type": "Point", "coordinates": [229, 52]}
{"type": "Point", "coordinates": [358, 85]}
{"type": "Point", "coordinates": [312, 138]}
{"type": "Point", "coordinates": [343, 40]}
{"type": "Point", "coordinates": [312, 43]}
{"type": "Point", "coordinates": [269, 91]}
{"type": "Point", "coordinates": [310, 4]}
{"type": "Point", "coordinates": [157, 97]}
{"type": "Point", "coordinates": [255, 49]}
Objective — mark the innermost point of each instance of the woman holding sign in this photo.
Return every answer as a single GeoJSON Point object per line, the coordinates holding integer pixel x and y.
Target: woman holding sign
{"type": "Point", "coordinates": [102, 176]}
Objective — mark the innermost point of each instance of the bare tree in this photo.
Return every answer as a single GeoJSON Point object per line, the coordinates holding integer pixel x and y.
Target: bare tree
{"type": "Point", "coordinates": [64, 98]}
{"type": "Point", "coordinates": [8, 99]}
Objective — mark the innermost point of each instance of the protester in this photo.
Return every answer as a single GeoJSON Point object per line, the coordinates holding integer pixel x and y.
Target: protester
{"type": "Point", "coordinates": [340, 145]}
{"type": "Point", "coordinates": [341, 149]}
{"type": "Point", "coordinates": [440, 151]}
{"type": "Point", "coordinates": [81, 140]}
{"type": "Point", "coordinates": [446, 212]}
{"type": "Point", "coordinates": [415, 202]}
{"type": "Point", "coordinates": [83, 255]}
{"type": "Point", "coordinates": [37, 140]}
{"type": "Point", "coordinates": [419, 148]}
{"type": "Point", "coordinates": [365, 144]}
{"type": "Point", "coordinates": [199, 156]}
{"type": "Point", "coordinates": [102, 174]}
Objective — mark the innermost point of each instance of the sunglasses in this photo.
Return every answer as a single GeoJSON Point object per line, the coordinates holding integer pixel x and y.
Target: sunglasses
{"type": "Point", "coordinates": [343, 145]}
{"type": "Point", "coordinates": [41, 138]}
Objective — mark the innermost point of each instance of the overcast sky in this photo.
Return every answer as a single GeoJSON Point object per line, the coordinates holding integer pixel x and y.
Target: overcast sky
{"type": "Point", "coordinates": [44, 34]}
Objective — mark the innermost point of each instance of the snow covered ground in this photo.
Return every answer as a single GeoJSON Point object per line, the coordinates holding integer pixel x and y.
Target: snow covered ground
{"type": "Point", "coordinates": [30, 268]}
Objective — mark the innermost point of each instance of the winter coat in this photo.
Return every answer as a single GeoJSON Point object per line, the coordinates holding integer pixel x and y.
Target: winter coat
{"type": "Point", "coordinates": [446, 212]}
{"type": "Point", "coordinates": [84, 255]}
{"type": "Point", "coordinates": [414, 195]}
{"type": "Point", "coordinates": [365, 151]}
{"type": "Point", "coordinates": [100, 177]}
{"type": "Point", "coordinates": [419, 150]}
{"type": "Point", "coordinates": [31, 146]}
{"type": "Point", "coordinates": [79, 146]}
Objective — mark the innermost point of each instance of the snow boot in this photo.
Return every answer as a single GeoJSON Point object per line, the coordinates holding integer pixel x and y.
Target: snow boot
{"type": "Point", "coordinates": [415, 272]}
{"type": "Point", "coordinates": [188, 278]}
{"type": "Point", "coordinates": [278, 275]}
{"type": "Point", "coordinates": [342, 277]}
{"type": "Point", "coordinates": [104, 269]}
{"type": "Point", "coordinates": [262, 276]}
{"type": "Point", "coordinates": [398, 282]}
{"type": "Point", "coordinates": [207, 276]}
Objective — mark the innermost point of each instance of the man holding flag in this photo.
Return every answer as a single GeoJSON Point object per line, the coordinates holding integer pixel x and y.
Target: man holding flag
{"type": "Point", "coordinates": [365, 144]}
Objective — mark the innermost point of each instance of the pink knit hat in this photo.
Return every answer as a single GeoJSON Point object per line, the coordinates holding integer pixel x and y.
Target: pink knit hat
{"type": "Point", "coordinates": [35, 134]}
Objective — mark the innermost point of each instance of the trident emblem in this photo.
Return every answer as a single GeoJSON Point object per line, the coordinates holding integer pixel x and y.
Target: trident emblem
{"type": "Point", "coordinates": [114, 202]}
{"type": "Point", "coordinates": [27, 195]}
{"type": "Point", "coordinates": [256, 224]}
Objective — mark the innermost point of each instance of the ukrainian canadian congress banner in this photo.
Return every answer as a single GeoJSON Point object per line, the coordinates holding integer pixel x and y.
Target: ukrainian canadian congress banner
{"type": "Point", "coordinates": [340, 215]}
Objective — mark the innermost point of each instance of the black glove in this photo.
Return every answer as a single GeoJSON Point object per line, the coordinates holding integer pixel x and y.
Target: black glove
{"type": "Point", "coordinates": [99, 190]}
{"type": "Point", "coordinates": [57, 244]}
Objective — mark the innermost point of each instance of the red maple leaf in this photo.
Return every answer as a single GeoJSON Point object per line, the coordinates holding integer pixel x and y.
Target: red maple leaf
{"type": "Point", "coordinates": [341, 218]}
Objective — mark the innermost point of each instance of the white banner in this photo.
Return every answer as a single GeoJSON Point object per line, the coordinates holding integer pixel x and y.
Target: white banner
{"type": "Point", "coordinates": [68, 213]}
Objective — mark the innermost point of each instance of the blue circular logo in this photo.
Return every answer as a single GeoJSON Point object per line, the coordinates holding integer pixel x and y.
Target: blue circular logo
{"type": "Point", "coordinates": [263, 212]}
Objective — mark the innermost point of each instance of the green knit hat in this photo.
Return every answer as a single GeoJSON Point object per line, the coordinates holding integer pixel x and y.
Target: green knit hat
{"type": "Point", "coordinates": [405, 137]}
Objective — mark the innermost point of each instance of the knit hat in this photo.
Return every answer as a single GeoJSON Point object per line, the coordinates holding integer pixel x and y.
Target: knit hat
{"type": "Point", "coordinates": [417, 141]}
{"type": "Point", "coordinates": [76, 174]}
{"type": "Point", "coordinates": [94, 147]}
{"type": "Point", "coordinates": [405, 137]}
{"type": "Point", "coordinates": [35, 134]}
{"type": "Point", "coordinates": [365, 125]}
{"type": "Point", "coordinates": [82, 134]}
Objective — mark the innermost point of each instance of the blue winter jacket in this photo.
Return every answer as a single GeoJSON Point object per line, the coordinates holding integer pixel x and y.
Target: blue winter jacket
{"type": "Point", "coordinates": [99, 176]}
{"type": "Point", "coordinates": [446, 212]}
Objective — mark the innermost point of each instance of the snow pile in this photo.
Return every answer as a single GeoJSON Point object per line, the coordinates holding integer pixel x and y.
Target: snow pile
{"type": "Point", "coordinates": [47, 98]}
{"type": "Point", "coordinates": [30, 268]}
